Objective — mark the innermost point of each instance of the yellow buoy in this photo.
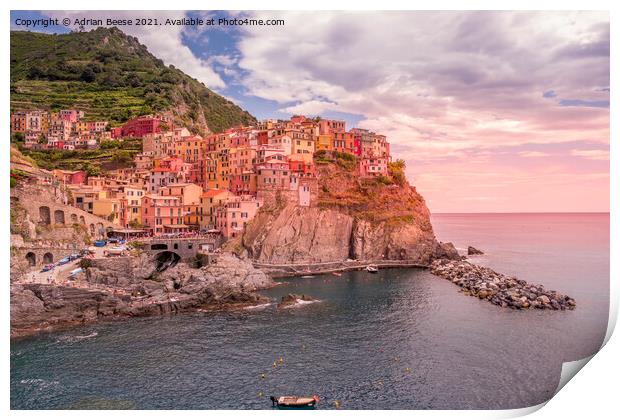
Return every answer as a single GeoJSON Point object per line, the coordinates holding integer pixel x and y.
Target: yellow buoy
{"type": "Point", "coordinates": [260, 394]}
{"type": "Point", "coordinates": [337, 404]}
{"type": "Point", "coordinates": [408, 370]}
{"type": "Point", "coordinates": [281, 360]}
{"type": "Point", "coordinates": [275, 364]}
{"type": "Point", "coordinates": [262, 375]}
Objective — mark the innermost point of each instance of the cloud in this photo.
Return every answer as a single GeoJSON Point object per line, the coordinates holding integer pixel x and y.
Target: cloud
{"type": "Point", "coordinates": [591, 154]}
{"type": "Point", "coordinates": [165, 42]}
{"type": "Point", "coordinates": [533, 154]}
{"type": "Point", "coordinates": [310, 107]}
{"type": "Point", "coordinates": [581, 102]}
{"type": "Point", "coordinates": [445, 86]}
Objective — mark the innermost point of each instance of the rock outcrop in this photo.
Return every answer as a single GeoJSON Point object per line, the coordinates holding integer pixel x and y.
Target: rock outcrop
{"type": "Point", "coordinates": [473, 251]}
{"type": "Point", "coordinates": [290, 300]}
{"type": "Point", "coordinates": [498, 289]}
{"type": "Point", "coordinates": [360, 219]}
{"type": "Point", "coordinates": [129, 286]}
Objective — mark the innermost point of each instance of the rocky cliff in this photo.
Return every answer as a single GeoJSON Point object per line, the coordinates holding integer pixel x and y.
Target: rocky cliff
{"type": "Point", "coordinates": [129, 287]}
{"type": "Point", "coordinates": [366, 220]}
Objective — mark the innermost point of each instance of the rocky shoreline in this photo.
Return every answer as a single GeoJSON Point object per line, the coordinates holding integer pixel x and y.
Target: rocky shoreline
{"type": "Point", "coordinates": [498, 289]}
{"type": "Point", "coordinates": [118, 288]}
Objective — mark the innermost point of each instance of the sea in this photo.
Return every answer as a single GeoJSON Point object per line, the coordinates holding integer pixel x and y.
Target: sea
{"type": "Point", "coordinates": [398, 339]}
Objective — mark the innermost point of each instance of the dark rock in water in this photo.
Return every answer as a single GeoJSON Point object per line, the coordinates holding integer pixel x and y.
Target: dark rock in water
{"type": "Point", "coordinates": [292, 299]}
{"type": "Point", "coordinates": [473, 251]}
{"type": "Point", "coordinates": [501, 290]}
{"type": "Point", "coordinates": [447, 250]}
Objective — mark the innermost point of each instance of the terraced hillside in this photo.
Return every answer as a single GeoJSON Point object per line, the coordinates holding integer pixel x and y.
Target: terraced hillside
{"type": "Point", "coordinates": [111, 76]}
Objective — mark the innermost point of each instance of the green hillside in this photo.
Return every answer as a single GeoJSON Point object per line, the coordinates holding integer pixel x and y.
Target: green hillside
{"type": "Point", "coordinates": [111, 76]}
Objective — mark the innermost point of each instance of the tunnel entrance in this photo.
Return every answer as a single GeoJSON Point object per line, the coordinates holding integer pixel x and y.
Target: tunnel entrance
{"type": "Point", "coordinates": [166, 260]}
{"type": "Point", "coordinates": [32, 259]}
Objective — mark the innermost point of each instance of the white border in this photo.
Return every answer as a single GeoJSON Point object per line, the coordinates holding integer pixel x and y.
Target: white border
{"type": "Point", "coordinates": [592, 395]}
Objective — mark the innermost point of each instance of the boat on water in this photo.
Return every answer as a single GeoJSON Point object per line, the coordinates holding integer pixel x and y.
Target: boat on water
{"type": "Point", "coordinates": [335, 273]}
{"type": "Point", "coordinates": [288, 401]}
{"type": "Point", "coordinates": [372, 268]}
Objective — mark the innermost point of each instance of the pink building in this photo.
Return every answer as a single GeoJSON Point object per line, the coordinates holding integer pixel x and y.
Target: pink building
{"type": "Point", "coordinates": [298, 119]}
{"type": "Point", "coordinates": [370, 167]}
{"type": "Point", "coordinates": [70, 177]}
{"type": "Point", "coordinates": [161, 177]}
{"type": "Point", "coordinates": [70, 115]}
{"type": "Point", "coordinates": [273, 175]}
{"type": "Point", "coordinates": [163, 214]}
{"type": "Point", "coordinates": [331, 126]}
{"type": "Point", "coordinates": [232, 217]}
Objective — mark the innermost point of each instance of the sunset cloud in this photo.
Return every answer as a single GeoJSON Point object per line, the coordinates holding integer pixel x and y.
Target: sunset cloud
{"type": "Point", "coordinates": [510, 106]}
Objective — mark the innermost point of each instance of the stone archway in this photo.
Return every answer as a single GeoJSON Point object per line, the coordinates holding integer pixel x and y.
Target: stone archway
{"type": "Point", "coordinates": [166, 259]}
{"type": "Point", "coordinates": [44, 215]}
{"type": "Point", "coordinates": [91, 229]}
{"type": "Point", "coordinates": [82, 220]}
{"type": "Point", "coordinates": [48, 258]}
{"type": "Point", "coordinates": [59, 217]}
{"type": "Point", "coordinates": [74, 218]}
{"type": "Point", "coordinates": [31, 258]}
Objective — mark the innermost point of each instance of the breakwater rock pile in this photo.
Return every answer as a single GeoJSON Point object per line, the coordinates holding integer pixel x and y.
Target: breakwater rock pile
{"type": "Point", "coordinates": [501, 290]}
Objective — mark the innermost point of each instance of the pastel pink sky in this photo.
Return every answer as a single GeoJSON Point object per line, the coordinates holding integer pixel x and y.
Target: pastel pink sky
{"type": "Point", "coordinates": [492, 111]}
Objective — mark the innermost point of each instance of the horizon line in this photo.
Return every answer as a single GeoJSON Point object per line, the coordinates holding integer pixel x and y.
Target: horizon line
{"type": "Point", "coordinates": [520, 212]}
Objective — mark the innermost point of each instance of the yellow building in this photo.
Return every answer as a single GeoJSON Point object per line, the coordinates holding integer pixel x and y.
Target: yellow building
{"type": "Point", "coordinates": [133, 197]}
{"type": "Point", "coordinates": [222, 171]}
{"type": "Point", "coordinates": [190, 195]}
{"type": "Point", "coordinates": [109, 209]}
{"type": "Point", "coordinates": [190, 149]}
{"type": "Point", "coordinates": [302, 146]}
{"type": "Point", "coordinates": [324, 142]}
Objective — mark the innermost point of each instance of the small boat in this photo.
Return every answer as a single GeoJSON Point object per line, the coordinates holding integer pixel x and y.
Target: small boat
{"type": "Point", "coordinates": [337, 274]}
{"type": "Point", "coordinates": [294, 402]}
{"type": "Point", "coordinates": [99, 243]}
{"type": "Point", "coordinates": [372, 268]}
{"type": "Point", "coordinates": [47, 267]}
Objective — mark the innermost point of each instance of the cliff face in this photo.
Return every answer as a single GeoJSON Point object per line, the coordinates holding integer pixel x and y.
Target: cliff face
{"type": "Point", "coordinates": [366, 220]}
{"type": "Point", "coordinates": [299, 234]}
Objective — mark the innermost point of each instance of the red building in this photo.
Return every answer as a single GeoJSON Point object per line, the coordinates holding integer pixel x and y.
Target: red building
{"type": "Point", "coordinates": [70, 177]}
{"type": "Point", "coordinates": [262, 138]}
{"type": "Point", "coordinates": [301, 167]}
{"type": "Point", "coordinates": [140, 126]}
{"type": "Point", "coordinates": [344, 142]}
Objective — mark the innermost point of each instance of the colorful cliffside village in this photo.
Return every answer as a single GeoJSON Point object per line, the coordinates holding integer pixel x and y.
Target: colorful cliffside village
{"type": "Point", "coordinates": [182, 183]}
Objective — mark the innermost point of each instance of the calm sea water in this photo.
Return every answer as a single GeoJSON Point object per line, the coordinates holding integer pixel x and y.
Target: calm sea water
{"type": "Point", "coordinates": [397, 339]}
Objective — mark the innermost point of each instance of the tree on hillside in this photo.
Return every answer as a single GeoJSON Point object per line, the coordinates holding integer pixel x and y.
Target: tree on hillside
{"type": "Point", "coordinates": [88, 75]}
{"type": "Point", "coordinates": [397, 171]}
